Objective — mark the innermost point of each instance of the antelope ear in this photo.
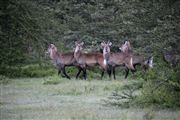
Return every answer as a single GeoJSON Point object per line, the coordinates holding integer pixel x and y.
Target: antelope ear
{"type": "Point", "coordinates": [76, 43]}
{"type": "Point", "coordinates": [128, 43]}
{"type": "Point", "coordinates": [52, 46]}
{"type": "Point", "coordinates": [55, 48]}
{"type": "Point", "coordinates": [102, 44]}
{"type": "Point", "coordinates": [151, 58]}
{"type": "Point", "coordinates": [82, 43]}
{"type": "Point", "coordinates": [109, 43]}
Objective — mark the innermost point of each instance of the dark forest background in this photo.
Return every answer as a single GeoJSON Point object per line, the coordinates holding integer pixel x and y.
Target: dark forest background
{"type": "Point", "coordinates": [27, 26]}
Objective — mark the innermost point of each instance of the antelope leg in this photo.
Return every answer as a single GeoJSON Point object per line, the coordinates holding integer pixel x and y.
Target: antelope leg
{"type": "Point", "coordinates": [64, 72]}
{"type": "Point", "coordinates": [127, 72]}
{"type": "Point", "coordinates": [102, 74]}
{"type": "Point", "coordinates": [79, 71]}
{"type": "Point", "coordinates": [85, 74]}
{"type": "Point", "coordinates": [114, 73]}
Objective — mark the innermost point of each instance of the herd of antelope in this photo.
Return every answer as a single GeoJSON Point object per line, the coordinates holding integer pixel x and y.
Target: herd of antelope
{"type": "Point", "coordinates": [107, 61]}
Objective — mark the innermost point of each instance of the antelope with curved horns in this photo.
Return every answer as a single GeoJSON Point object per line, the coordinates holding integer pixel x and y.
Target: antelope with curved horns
{"type": "Point", "coordinates": [116, 59]}
{"type": "Point", "coordinates": [85, 60]}
{"type": "Point", "coordinates": [137, 59]}
{"type": "Point", "coordinates": [61, 60]}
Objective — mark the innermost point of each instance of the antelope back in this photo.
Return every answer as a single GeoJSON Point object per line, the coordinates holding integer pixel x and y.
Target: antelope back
{"type": "Point", "coordinates": [67, 58]}
{"type": "Point", "coordinates": [89, 59]}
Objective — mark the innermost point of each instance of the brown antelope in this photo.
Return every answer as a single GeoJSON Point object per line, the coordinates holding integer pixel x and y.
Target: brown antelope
{"type": "Point", "coordinates": [61, 60]}
{"type": "Point", "coordinates": [85, 60]}
{"type": "Point", "coordinates": [116, 59]}
{"type": "Point", "coordinates": [171, 57]}
{"type": "Point", "coordinates": [137, 59]}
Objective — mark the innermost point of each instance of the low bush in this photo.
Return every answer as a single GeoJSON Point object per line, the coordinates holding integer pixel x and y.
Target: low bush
{"type": "Point", "coordinates": [37, 71]}
{"type": "Point", "coordinates": [33, 70]}
{"type": "Point", "coordinates": [4, 79]}
{"type": "Point", "coordinates": [52, 80]}
{"type": "Point", "coordinates": [159, 92]}
{"type": "Point", "coordinates": [160, 88]}
{"type": "Point", "coordinates": [124, 96]}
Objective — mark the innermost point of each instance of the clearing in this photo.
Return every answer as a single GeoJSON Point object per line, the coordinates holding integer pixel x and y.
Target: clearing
{"type": "Point", "coordinates": [54, 98]}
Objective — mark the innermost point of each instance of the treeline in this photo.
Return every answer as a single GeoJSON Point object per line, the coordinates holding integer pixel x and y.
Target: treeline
{"type": "Point", "coordinates": [27, 26]}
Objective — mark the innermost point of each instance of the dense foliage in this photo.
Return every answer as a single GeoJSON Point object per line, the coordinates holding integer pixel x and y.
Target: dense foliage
{"type": "Point", "coordinates": [27, 26]}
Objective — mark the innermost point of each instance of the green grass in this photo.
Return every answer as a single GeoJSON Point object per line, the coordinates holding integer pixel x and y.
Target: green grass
{"type": "Point", "coordinates": [55, 98]}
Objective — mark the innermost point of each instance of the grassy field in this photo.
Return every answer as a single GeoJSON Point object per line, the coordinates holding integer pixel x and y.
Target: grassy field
{"type": "Point", "coordinates": [55, 98]}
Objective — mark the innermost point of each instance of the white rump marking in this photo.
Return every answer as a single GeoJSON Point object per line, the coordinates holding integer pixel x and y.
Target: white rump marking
{"type": "Point", "coordinates": [105, 62]}
{"type": "Point", "coordinates": [131, 61]}
{"type": "Point", "coordinates": [151, 62]}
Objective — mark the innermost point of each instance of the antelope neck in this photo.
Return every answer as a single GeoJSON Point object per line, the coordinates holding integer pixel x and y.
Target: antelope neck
{"type": "Point", "coordinates": [54, 55]}
{"type": "Point", "coordinates": [77, 54]}
{"type": "Point", "coordinates": [106, 58]}
{"type": "Point", "coordinates": [55, 58]}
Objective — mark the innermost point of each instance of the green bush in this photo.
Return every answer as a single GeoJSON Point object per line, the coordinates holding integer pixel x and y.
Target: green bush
{"type": "Point", "coordinates": [162, 87]}
{"type": "Point", "coordinates": [53, 80]}
{"type": "Point", "coordinates": [37, 71]}
{"type": "Point", "coordinates": [11, 71]}
{"type": "Point", "coordinates": [159, 93]}
{"type": "Point", "coordinates": [4, 79]}
{"type": "Point", "coordinates": [124, 96]}
{"type": "Point", "coordinates": [33, 70]}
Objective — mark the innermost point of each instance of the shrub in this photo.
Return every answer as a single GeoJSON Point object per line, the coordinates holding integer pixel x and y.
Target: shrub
{"type": "Point", "coordinates": [162, 87]}
{"type": "Point", "coordinates": [37, 71]}
{"type": "Point", "coordinates": [159, 93]}
{"type": "Point", "coordinates": [53, 80]}
{"type": "Point", "coordinates": [124, 96]}
{"type": "Point", "coordinates": [32, 70]}
{"type": "Point", "coordinates": [4, 79]}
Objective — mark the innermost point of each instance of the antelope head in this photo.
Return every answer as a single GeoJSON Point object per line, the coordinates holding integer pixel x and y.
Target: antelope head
{"type": "Point", "coordinates": [106, 47]}
{"type": "Point", "coordinates": [78, 46]}
{"type": "Point", "coordinates": [126, 47]}
{"type": "Point", "coordinates": [52, 50]}
{"type": "Point", "coordinates": [106, 50]}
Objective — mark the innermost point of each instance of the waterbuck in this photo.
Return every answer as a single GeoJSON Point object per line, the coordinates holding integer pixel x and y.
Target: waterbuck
{"type": "Point", "coordinates": [116, 59]}
{"type": "Point", "coordinates": [85, 60]}
{"type": "Point", "coordinates": [171, 57]}
{"type": "Point", "coordinates": [61, 60]}
{"type": "Point", "coordinates": [137, 59]}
